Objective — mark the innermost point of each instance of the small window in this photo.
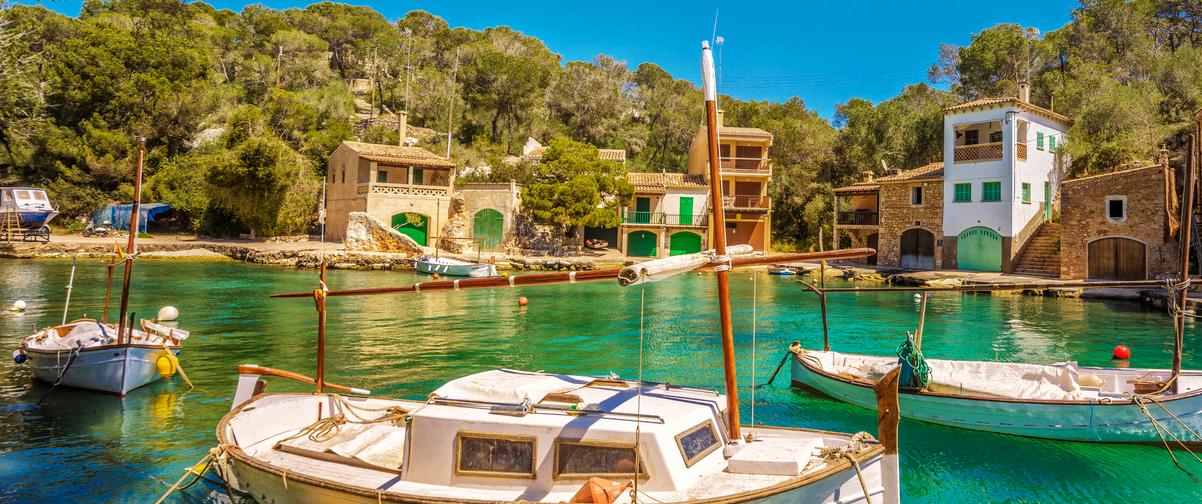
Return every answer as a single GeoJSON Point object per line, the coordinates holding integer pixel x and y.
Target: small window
{"type": "Point", "coordinates": [1039, 140]}
{"type": "Point", "coordinates": [486, 455]}
{"type": "Point", "coordinates": [963, 193]}
{"type": "Point", "coordinates": [972, 137]}
{"type": "Point", "coordinates": [583, 459]}
{"type": "Point", "coordinates": [344, 175]}
{"type": "Point", "coordinates": [418, 177]}
{"type": "Point", "coordinates": [991, 191]}
{"type": "Point", "coordinates": [1026, 192]}
{"type": "Point", "coordinates": [995, 137]}
{"type": "Point", "coordinates": [1116, 208]}
{"type": "Point", "coordinates": [697, 442]}
{"type": "Point", "coordinates": [39, 196]}
{"type": "Point", "coordinates": [22, 195]}
{"type": "Point", "coordinates": [916, 195]}
{"type": "Point", "coordinates": [1051, 143]}
{"type": "Point", "coordinates": [382, 176]}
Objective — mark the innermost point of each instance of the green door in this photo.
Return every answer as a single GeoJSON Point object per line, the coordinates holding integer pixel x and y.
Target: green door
{"type": "Point", "coordinates": [641, 244]}
{"type": "Point", "coordinates": [1047, 202]}
{"type": "Point", "coordinates": [684, 243]}
{"type": "Point", "coordinates": [979, 249]}
{"type": "Point", "coordinates": [686, 211]}
{"type": "Point", "coordinates": [642, 210]}
{"type": "Point", "coordinates": [488, 228]}
{"type": "Point", "coordinates": [413, 225]}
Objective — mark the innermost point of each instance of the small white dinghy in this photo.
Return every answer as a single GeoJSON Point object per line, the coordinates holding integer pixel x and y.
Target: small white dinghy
{"type": "Point", "coordinates": [454, 267]}
{"type": "Point", "coordinates": [85, 353]}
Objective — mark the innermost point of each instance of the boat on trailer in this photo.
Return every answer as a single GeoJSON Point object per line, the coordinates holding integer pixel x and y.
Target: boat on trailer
{"type": "Point", "coordinates": [25, 212]}
{"type": "Point", "coordinates": [454, 267]}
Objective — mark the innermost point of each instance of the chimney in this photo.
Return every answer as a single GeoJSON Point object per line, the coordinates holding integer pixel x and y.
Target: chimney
{"type": "Point", "coordinates": [1024, 92]}
{"type": "Point", "coordinates": [1164, 156]}
{"type": "Point", "coordinates": [720, 114]}
{"type": "Point", "coordinates": [402, 127]}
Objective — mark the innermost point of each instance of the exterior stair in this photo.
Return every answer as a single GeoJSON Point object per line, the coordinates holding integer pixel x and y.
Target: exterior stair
{"type": "Point", "coordinates": [1041, 256]}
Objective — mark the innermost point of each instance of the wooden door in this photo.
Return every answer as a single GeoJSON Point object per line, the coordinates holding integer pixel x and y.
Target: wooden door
{"type": "Point", "coordinates": [1117, 259]}
{"type": "Point", "coordinates": [642, 210]}
{"type": "Point", "coordinates": [684, 243]}
{"type": "Point", "coordinates": [641, 244]}
{"type": "Point", "coordinates": [872, 243]}
{"type": "Point", "coordinates": [917, 249]}
{"type": "Point", "coordinates": [488, 228]}
{"type": "Point", "coordinates": [979, 249]}
{"type": "Point", "coordinates": [686, 211]}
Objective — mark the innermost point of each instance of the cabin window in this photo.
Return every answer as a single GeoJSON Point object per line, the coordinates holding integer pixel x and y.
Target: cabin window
{"type": "Point", "coordinates": [1027, 192]}
{"type": "Point", "coordinates": [486, 455]}
{"type": "Point", "coordinates": [22, 195]}
{"type": "Point", "coordinates": [39, 196]}
{"type": "Point", "coordinates": [583, 459]}
{"type": "Point", "coordinates": [991, 191]}
{"type": "Point", "coordinates": [697, 442]}
{"type": "Point", "coordinates": [1039, 140]}
{"type": "Point", "coordinates": [1116, 208]}
{"type": "Point", "coordinates": [916, 195]}
{"type": "Point", "coordinates": [963, 193]}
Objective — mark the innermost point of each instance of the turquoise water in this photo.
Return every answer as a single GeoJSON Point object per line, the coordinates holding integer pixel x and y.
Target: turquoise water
{"type": "Point", "coordinates": [82, 446]}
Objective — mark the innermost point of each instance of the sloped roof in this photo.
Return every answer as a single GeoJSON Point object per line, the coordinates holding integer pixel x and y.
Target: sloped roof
{"type": "Point", "coordinates": [619, 155]}
{"type": "Point", "coordinates": [743, 131]}
{"type": "Point", "coordinates": [933, 171]}
{"type": "Point", "coordinates": [986, 103]}
{"type": "Point", "coordinates": [658, 183]}
{"type": "Point", "coordinates": [398, 154]}
{"type": "Point", "coordinates": [1127, 171]}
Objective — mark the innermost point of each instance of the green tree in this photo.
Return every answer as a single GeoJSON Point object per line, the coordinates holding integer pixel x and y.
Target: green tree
{"type": "Point", "coordinates": [574, 187]}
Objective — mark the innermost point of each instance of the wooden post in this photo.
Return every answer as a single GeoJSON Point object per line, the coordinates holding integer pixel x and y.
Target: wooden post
{"type": "Point", "coordinates": [719, 213]}
{"type": "Point", "coordinates": [826, 340]}
{"type": "Point", "coordinates": [922, 317]}
{"type": "Point", "coordinates": [1187, 218]}
{"type": "Point", "coordinates": [319, 300]}
{"type": "Point", "coordinates": [131, 248]}
{"type": "Point", "coordinates": [108, 289]}
{"type": "Point", "coordinates": [888, 416]}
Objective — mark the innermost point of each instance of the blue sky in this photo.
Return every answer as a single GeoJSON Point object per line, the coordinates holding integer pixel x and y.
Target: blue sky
{"type": "Point", "coordinates": [824, 52]}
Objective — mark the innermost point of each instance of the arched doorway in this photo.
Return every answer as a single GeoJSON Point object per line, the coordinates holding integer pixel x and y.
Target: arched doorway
{"type": "Point", "coordinates": [684, 242]}
{"type": "Point", "coordinates": [917, 249]}
{"type": "Point", "coordinates": [1117, 259]}
{"type": "Point", "coordinates": [413, 225]}
{"type": "Point", "coordinates": [979, 249]}
{"type": "Point", "coordinates": [488, 227]}
{"type": "Point", "coordinates": [641, 244]}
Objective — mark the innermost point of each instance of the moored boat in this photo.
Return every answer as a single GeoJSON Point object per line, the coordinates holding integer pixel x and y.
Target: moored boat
{"type": "Point", "coordinates": [782, 270]}
{"type": "Point", "coordinates": [454, 267]}
{"type": "Point", "coordinates": [85, 353]}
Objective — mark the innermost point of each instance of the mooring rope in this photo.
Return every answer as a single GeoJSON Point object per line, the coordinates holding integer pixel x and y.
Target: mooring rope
{"type": "Point", "coordinates": [1141, 401]}
{"type": "Point", "coordinates": [858, 443]}
{"type": "Point", "coordinates": [63, 373]}
{"type": "Point", "coordinates": [1175, 287]}
{"type": "Point", "coordinates": [325, 429]}
{"type": "Point", "coordinates": [915, 372]}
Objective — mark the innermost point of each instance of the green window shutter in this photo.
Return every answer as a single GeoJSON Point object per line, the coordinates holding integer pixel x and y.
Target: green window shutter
{"type": "Point", "coordinates": [382, 176]}
{"type": "Point", "coordinates": [418, 177]}
{"type": "Point", "coordinates": [1026, 192]}
{"type": "Point", "coordinates": [1039, 140]}
{"type": "Point", "coordinates": [1051, 143]}
{"type": "Point", "coordinates": [963, 193]}
{"type": "Point", "coordinates": [991, 191]}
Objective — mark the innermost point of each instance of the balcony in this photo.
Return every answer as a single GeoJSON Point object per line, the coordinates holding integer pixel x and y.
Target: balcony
{"type": "Point", "coordinates": [861, 217]}
{"type": "Point", "coordinates": [1021, 151]}
{"type": "Point", "coordinates": [746, 166]}
{"type": "Point", "coordinates": [385, 189]}
{"type": "Point", "coordinates": [747, 202]}
{"type": "Point", "coordinates": [636, 218]}
{"type": "Point", "coordinates": [978, 153]}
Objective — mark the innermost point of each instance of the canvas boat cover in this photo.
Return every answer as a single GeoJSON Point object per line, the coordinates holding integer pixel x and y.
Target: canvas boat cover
{"type": "Point", "coordinates": [509, 386]}
{"type": "Point", "coordinates": [660, 269]}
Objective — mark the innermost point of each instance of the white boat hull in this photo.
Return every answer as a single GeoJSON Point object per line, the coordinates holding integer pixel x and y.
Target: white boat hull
{"type": "Point", "coordinates": [463, 270]}
{"type": "Point", "coordinates": [117, 369]}
{"type": "Point", "coordinates": [1113, 421]}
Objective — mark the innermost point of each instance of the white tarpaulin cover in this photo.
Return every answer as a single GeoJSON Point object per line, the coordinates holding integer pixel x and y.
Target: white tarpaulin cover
{"type": "Point", "coordinates": [509, 386]}
{"type": "Point", "coordinates": [660, 269]}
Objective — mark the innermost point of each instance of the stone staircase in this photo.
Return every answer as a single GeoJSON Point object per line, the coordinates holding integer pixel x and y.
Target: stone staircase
{"type": "Point", "coordinates": [1041, 257]}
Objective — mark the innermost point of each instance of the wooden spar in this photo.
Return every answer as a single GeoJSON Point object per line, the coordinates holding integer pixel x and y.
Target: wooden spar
{"type": "Point", "coordinates": [922, 318]}
{"type": "Point", "coordinates": [1187, 220]}
{"type": "Point", "coordinates": [131, 249]}
{"type": "Point", "coordinates": [826, 339]}
{"type": "Point", "coordinates": [70, 287]}
{"type": "Point", "coordinates": [319, 300]}
{"type": "Point", "coordinates": [108, 289]}
{"type": "Point", "coordinates": [719, 233]}
{"type": "Point", "coordinates": [251, 369]}
{"type": "Point", "coordinates": [1008, 286]}
{"type": "Point", "coordinates": [560, 277]}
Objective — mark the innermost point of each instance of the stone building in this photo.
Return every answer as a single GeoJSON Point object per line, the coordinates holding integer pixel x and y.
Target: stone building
{"type": "Point", "coordinates": [901, 216]}
{"type": "Point", "coordinates": [492, 207]}
{"type": "Point", "coordinates": [406, 188]}
{"type": "Point", "coordinates": [1120, 225]}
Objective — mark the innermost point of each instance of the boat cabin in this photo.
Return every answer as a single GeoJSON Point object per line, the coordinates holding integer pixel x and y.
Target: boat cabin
{"type": "Point", "coordinates": [24, 198]}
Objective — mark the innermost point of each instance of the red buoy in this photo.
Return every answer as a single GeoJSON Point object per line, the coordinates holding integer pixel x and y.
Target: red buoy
{"type": "Point", "coordinates": [522, 301]}
{"type": "Point", "coordinates": [436, 276]}
{"type": "Point", "coordinates": [1121, 352]}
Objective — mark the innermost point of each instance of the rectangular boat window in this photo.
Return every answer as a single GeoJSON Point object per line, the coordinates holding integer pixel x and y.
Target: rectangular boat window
{"type": "Point", "coordinates": [22, 195]}
{"type": "Point", "coordinates": [486, 455]}
{"type": "Point", "coordinates": [697, 442]}
{"type": "Point", "coordinates": [584, 459]}
{"type": "Point", "coordinates": [39, 196]}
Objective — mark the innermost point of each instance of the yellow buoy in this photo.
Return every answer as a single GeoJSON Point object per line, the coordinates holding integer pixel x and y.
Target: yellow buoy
{"type": "Point", "coordinates": [167, 364]}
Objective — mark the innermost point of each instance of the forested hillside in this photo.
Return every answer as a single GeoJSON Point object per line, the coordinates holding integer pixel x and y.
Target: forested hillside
{"type": "Point", "coordinates": [240, 109]}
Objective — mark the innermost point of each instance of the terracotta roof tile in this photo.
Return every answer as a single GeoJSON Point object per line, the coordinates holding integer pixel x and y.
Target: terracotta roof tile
{"type": "Point", "coordinates": [398, 154]}
{"type": "Point", "coordinates": [618, 155]}
{"type": "Point", "coordinates": [743, 131]}
{"type": "Point", "coordinates": [658, 183]}
{"type": "Point", "coordinates": [933, 171]}
{"type": "Point", "coordinates": [985, 103]}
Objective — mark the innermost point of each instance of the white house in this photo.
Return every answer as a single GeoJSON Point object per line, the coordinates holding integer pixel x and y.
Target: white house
{"type": "Point", "coordinates": [670, 215]}
{"type": "Point", "coordinates": [1002, 168]}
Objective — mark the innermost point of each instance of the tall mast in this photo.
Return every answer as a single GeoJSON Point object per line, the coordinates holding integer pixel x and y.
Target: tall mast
{"type": "Point", "coordinates": [131, 248]}
{"type": "Point", "coordinates": [719, 232]}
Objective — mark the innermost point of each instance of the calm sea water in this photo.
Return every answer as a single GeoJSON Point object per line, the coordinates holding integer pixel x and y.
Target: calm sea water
{"type": "Point", "coordinates": [82, 446]}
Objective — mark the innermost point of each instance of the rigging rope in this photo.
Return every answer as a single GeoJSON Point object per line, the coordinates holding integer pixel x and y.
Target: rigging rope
{"type": "Point", "coordinates": [914, 369]}
{"type": "Point", "coordinates": [1142, 400]}
{"type": "Point", "coordinates": [1175, 287]}
{"type": "Point", "coordinates": [859, 442]}
{"type": "Point", "coordinates": [639, 399]}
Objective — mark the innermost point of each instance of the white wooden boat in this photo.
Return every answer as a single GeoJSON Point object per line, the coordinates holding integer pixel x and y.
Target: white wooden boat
{"type": "Point", "coordinates": [782, 270]}
{"type": "Point", "coordinates": [85, 354]}
{"type": "Point", "coordinates": [455, 267]}
{"type": "Point", "coordinates": [508, 435]}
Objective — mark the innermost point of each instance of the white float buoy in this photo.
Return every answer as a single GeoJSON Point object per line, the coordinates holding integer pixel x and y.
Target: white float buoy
{"type": "Point", "coordinates": [18, 306]}
{"type": "Point", "coordinates": [168, 314]}
{"type": "Point", "coordinates": [918, 297]}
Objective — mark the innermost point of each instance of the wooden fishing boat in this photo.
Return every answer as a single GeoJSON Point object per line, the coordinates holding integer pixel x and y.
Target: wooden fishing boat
{"type": "Point", "coordinates": [782, 270]}
{"type": "Point", "coordinates": [507, 435]}
{"type": "Point", "coordinates": [454, 267]}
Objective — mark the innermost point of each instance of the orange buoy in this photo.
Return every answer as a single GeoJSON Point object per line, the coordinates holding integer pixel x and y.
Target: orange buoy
{"type": "Point", "coordinates": [436, 276]}
{"type": "Point", "coordinates": [1121, 352]}
{"type": "Point", "coordinates": [522, 301]}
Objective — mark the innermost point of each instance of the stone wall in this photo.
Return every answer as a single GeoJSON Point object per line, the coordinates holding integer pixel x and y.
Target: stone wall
{"type": "Point", "coordinates": [365, 233]}
{"type": "Point", "coordinates": [1083, 219]}
{"type": "Point", "coordinates": [898, 216]}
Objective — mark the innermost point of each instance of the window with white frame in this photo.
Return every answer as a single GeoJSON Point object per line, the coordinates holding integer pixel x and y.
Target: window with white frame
{"type": "Point", "coordinates": [1116, 208]}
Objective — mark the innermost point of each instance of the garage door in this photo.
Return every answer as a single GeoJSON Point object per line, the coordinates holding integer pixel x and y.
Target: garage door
{"type": "Point", "coordinates": [979, 249]}
{"type": "Point", "coordinates": [917, 249]}
{"type": "Point", "coordinates": [413, 225]}
{"type": "Point", "coordinates": [684, 243]}
{"type": "Point", "coordinates": [1117, 259]}
{"type": "Point", "coordinates": [641, 244]}
{"type": "Point", "coordinates": [488, 228]}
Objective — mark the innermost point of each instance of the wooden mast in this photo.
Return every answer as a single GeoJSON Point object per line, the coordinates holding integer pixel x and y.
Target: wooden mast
{"type": "Point", "coordinates": [319, 300]}
{"type": "Point", "coordinates": [719, 233]}
{"type": "Point", "coordinates": [1187, 220]}
{"type": "Point", "coordinates": [131, 249]}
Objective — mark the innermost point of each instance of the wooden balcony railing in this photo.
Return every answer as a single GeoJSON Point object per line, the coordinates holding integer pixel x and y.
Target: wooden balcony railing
{"type": "Point", "coordinates": [979, 152]}
{"type": "Point", "coordinates": [754, 202]}
{"type": "Point", "coordinates": [634, 217]}
{"type": "Point", "coordinates": [859, 218]}
{"type": "Point", "coordinates": [746, 165]}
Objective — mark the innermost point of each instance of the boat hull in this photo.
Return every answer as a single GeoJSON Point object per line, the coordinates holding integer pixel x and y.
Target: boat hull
{"type": "Point", "coordinates": [116, 369]}
{"type": "Point", "coordinates": [463, 270]}
{"type": "Point", "coordinates": [35, 219]}
{"type": "Point", "coordinates": [1088, 421]}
